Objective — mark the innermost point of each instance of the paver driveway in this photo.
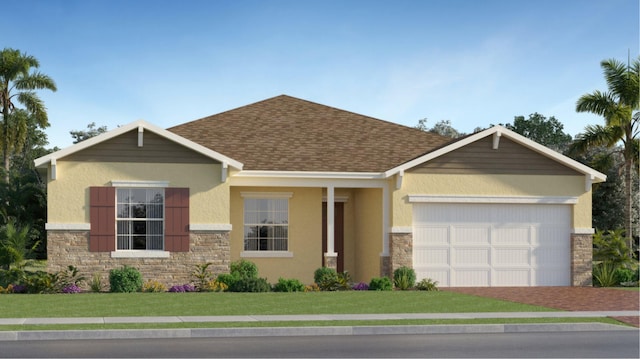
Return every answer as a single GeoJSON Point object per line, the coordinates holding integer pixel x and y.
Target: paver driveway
{"type": "Point", "coordinates": [565, 298]}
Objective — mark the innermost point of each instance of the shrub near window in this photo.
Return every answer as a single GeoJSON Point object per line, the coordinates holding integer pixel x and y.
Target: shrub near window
{"type": "Point", "coordinates": [288, 285]}
{"type": "Point", "coordinates": [125, 280]}
{"type": "Point", "coordinates": [404, 278]}
{"type": "Point", "coordinates": [380, 283]}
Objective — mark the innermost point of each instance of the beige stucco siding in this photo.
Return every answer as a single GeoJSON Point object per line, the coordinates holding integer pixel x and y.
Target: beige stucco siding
{"type": "Point", "coordinates": [491, 185]}
{"type": "Point", "coordinates": [368, 214]}
{"type": "Point", "coordinates": [68, 195]}
{"type": "Point", "coordinates": [305, 234]}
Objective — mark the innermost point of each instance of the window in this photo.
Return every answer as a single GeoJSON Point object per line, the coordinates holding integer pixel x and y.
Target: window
{"type": "Point", "coordinates": [266, 224]}
{"type": "Point", "coordinates": [140, 218]}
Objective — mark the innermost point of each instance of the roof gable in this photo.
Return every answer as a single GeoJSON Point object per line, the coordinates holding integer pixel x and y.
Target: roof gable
{"type": "Point", "coordinates": [289, 134]}
{"type": "Point", "coordinates": [101, 141]}
{"type": "Point", "coordinates": [495, 133]}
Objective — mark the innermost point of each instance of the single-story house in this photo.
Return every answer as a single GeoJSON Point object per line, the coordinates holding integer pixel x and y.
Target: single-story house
{"type": "Point", "coordinates": [293, 185]}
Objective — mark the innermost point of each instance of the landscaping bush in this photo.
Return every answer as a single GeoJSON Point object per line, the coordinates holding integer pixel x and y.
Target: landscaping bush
{"type": "Point", "coordinates": [333, 281]}
{"type": "Point", "coordinates": [360, 286]}
{"type": "Point", "coordinates": [202, 276]}
{"type": "Point", "coordinates": [214, 286]}
{"type": "Point", "coordinates": [252, 285]}
{"type": "Point", "coordinates": [404, 278]}
{"type": "Point", "coordinates": [153, 286]}
{"type": "Point", "coordinates": [324, 274]}
{"type": "Point", "coordinates": [40, 282]}
{"type": "Point", "coordinates": [69, 277]}
{"type": "Point", "coordinates": [312, 288]}
{"type": "Point", "coordinates": [626, 276]}
{"type": "Point", "coordinates": [185, 288]}
{"type": "Point", "coordinates": [71, 289]}
{"type": "Point", "coordinates": [96, 285]}
{"type": "Point", "coordinates": [604, 274]}
{"type": "Point", "coordinates": [227, 279]}
{"type": "Point", "coordinates": [288, 285]}
{"type": "Point", "coordinates": [427, 284]}
{"type": "Point", "coordinates": [244, 269]}
{"type": "Point", "coordinates": [380, 283]}
{"type": "Point", "coordinates": [125, 280]}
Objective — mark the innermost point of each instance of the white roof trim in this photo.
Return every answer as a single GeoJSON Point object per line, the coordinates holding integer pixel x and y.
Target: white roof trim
{"type": "Point", "coordinates": [310, 175]}
{"type": "Point", "coordinates": [137, 125]}
{"type": "Point", "coordinates": [423, 198]}
{"type": "Point", "coordinates": [502, 131]}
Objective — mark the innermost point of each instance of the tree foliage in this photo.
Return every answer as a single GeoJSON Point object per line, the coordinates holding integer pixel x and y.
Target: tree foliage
{"type": "Point", "coordinates": [547, 132]}
{"type": "Point", "coordinates": [442, 128]}
{"type": "Point", "coordinates": [91, 131]}
{"type": "Point", "coordinates": [18, 84]}
{"type": "Point", "coordinates": [619, 106]}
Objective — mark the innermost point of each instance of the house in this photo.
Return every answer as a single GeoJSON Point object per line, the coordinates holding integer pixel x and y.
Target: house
{"type": "Point", "coordinates": [293, 185]}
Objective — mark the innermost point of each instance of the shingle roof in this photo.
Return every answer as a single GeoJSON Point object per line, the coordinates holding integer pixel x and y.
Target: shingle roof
{"type": "Point", "coordinates": [284, 133]}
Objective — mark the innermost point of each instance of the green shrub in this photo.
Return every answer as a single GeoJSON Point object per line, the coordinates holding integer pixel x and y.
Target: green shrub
{"type": "Point", "coordinates": [404, 278]}
{"type": "Point", "coordinates": [153, 286]}
{"type": "Point", "coordinates": [611, 247]}
{"type": "Point", "coordinates": [625, 275]}
{"type": "Point", "coordinates": [96, 285]}
{"type": "Point", "coordinates": [380, 283]}
{"type": "Point", "coordinates": [604, 274]}
{"type": "Point", "coordinates": [249, 284]}
{"type": "Point", "coordinates": [227, 279]}
{"type": "Point", "coordinates": [201, 277]}
{"type": "Point", "coordinates": [427, 284]}
{"type": "Point", "coordinates": [323, 274]}
{"type": "Point", "coordinates": [328, 279]}
{"type": "Point", "coordinates": [288, 285]}
{"type": "Point", "coordinates": [125, 280]}
{"type": "Point", "coordinates": [244, 269]}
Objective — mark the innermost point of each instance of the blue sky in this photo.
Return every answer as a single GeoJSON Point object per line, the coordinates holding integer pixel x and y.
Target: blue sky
{"type": "Point", "coordinates": [474, 63]}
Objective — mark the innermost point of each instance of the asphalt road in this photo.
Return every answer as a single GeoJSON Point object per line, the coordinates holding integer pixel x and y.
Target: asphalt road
{"type": "Point", "coordinates": [606, 344]}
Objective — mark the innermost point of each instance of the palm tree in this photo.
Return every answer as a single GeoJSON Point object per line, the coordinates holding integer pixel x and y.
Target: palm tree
{"type": "Point", "coordinates": [16, 75]}
{"type": "Point", "coordinates": [618, 106]}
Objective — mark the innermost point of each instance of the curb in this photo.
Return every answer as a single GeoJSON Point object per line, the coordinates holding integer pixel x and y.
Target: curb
{"type": "Point", "coordinates": [302, 331]}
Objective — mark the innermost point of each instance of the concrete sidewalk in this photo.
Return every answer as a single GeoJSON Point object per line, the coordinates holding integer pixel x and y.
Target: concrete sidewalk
{"type": "Point", "coordinates": [304, 331]}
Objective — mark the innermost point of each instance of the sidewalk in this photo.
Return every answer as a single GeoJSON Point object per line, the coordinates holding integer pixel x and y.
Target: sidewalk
{"type": "Point", "coordinates": [304, 331]}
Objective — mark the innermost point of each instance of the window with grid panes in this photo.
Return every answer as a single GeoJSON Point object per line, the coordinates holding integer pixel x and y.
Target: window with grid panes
{"type": "Point", "coordinates": [140, 218]}
{"type": "Point", "coordinates": [266, 224]}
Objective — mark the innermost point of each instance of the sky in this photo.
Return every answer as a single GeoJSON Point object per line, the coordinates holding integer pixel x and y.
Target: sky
{"type": "Point", "coordinates": [471, 62]}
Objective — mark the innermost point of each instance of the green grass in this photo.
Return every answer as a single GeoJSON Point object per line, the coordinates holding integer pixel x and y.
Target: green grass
{"type": "Point", "coordinates": [208, 304]}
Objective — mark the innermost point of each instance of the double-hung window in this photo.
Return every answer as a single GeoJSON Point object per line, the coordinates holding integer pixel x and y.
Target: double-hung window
{"type": "Point", "coordinates": [266, 223]}
{"type": "Point", "coordinates": [140, 218]}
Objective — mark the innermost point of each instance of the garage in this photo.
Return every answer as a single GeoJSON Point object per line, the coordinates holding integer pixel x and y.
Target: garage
{"type": "Point", "coordinates": [492, 244]}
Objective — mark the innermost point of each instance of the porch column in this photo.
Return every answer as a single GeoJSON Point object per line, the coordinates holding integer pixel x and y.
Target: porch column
{"type": "Point", "coordinates": [330, 258]}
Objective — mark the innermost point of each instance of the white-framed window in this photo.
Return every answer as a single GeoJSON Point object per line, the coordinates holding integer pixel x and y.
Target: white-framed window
{"type": "Point", "coordinates": [140, 218]}
{"type": "Point", "coordinates": [266, 223]}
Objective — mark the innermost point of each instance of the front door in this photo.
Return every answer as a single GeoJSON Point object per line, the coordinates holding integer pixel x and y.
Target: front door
{"type": "Point", "coordinates": [338, 236]}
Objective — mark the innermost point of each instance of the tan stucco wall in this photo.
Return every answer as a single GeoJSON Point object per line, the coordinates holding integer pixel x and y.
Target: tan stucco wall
{"type": "Point", "coordinates": [68, 195]}
{"type": "Point", "coordinates": [368, 246]}
{"type": "Point", "coordinates": [491, 185]}
{"type": "Point", "coordinates": [305, 234]}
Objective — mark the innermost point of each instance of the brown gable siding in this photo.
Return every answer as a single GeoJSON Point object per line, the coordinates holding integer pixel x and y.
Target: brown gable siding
{"type": "Point", "coordinates": [176, 206]}
{"type": "Point", "coordinates": [124, 148]}
{"type": "Point", "coordinates": [480, 158]}
{"type": "Point", "coordinates": [289, 134]}
{"type": "Point", "coordinates": [102, 203]}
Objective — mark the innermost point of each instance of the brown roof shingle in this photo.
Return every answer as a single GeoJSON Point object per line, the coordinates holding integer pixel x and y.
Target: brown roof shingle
{"type": "Point", "coordinates": [284, 133]}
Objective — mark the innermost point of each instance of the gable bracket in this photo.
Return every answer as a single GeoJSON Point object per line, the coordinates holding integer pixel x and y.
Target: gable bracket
{"type": "Point", "coordinates": [54, 169]}
{"type": "Point", "coordinates": [399, 178]}
{"type": "Point", "coordinates": [496, 139]}
{"type": "Point", "coordinates": [225, 170]}
{"type": "Point", "coordinates": [588, 181]}
{"type": "Point", "coordinates": [140, 135]}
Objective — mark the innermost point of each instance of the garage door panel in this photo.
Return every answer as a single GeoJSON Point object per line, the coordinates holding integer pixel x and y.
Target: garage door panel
{"type": "Point", "coordinates": [513, 277]}
{"type": "Point", "coordinates": [512, 256]}
{"type": "Point", "coordinates": [462, 235]}
{"type": "Point", "coordinates": [472, 277]}
{"type": "Point", "coordinates": [466, 256]}
{"type": "Point", "coordinates": [433, 256]}
{"type": "Point", "coordinates": [492, 244]}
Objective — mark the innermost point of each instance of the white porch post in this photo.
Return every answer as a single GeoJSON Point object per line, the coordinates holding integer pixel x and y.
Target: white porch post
{"type": "Point", "coordinates": [330, 221]}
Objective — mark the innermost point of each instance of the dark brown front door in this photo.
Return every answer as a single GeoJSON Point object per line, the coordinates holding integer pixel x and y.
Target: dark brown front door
{"type": "Point", "coordinates": [338, 236]}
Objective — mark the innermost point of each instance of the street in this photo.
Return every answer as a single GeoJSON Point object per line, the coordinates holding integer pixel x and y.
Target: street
{"type": "Point", "coordinates": [612, 344]}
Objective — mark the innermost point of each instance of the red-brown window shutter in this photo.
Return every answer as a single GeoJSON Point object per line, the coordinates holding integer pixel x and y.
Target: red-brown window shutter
{"type": "Point", "coordinates": [176, 220]}
{"type": "Point", "coordinates": [102, 213]}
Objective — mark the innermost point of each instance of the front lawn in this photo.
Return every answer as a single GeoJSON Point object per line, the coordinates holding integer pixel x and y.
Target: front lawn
{"type": "Point", "coordinates": [210, 304]}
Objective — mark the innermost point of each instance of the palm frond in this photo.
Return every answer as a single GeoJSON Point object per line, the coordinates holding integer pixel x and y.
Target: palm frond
{"type": "Point", "coordinates": [622, 81]}
{"type": "Point", "coordinates": [35, 81]}
{"type": "Point", "coordinates": [599, 103]}
{"type": "Point", "coordinates": [35, 106]}
{"type": "Point", "coordinates": [594, 135]}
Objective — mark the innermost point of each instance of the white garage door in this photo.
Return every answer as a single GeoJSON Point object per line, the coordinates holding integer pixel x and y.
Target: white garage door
{"type": "Point", "coordinates": [462, 245]}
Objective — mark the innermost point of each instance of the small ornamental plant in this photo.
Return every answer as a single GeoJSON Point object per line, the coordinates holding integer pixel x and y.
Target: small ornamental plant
{"type": "Point", "coordinates": [427, 284]}
{"type": "Point", "coordinates": [71, 289]}
{"type": "Point", "coordinates": [153, 286]}
{"type": "Point", "coordinates": [381, 283]}
{"type": "Point", "coordinates": [182, 288]}
{"type": "Point", "coordinates": [19, 288]}
{"type": "Point", "coordinates": [312, 288]}
{"type": "Point", "coordinates": [360, 286]}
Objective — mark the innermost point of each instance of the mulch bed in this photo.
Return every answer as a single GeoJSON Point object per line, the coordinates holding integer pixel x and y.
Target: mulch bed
{"type": "Point", "coordinates": [565, 298]}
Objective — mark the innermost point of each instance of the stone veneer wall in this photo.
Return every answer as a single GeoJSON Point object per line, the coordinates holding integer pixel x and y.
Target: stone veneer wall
{"type": "Point", "coordinates": [66, 248]}
{"type": "Point", "coordinates": [401, 250]}
{"type": "Point", "coordinates": [581, 260]}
